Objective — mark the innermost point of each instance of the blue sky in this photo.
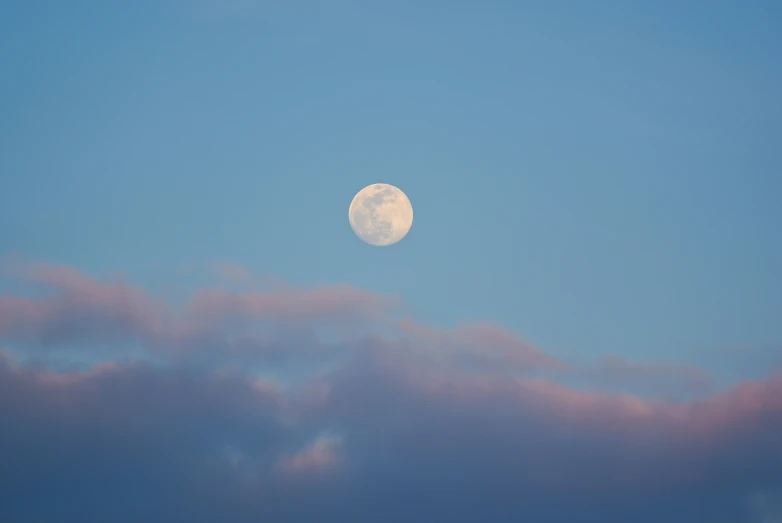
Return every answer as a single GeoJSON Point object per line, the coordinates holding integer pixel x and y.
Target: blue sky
{"type": "Point", "coordinates": [590, 179]}
{"type": "Point", "coordinates": [600, 178]}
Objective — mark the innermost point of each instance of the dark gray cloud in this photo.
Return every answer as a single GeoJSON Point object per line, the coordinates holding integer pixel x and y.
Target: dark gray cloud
{"type": "Point", "coordinates": [403, 423]}
{"type": "Point", "coordinates": [373, 441]}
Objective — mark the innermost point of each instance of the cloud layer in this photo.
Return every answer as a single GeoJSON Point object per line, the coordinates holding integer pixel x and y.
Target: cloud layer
{"type": "Point", "coordinates": [331, 404]}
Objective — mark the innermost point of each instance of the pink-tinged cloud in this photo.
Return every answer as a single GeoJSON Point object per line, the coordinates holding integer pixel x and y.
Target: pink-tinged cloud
{"type": "Point", "coordinates": [337, 304]}
{"type": "Point", "coordinates": [465, 418]}
{"type": "Point", "coordinates": [746, 406]}
{"type": "Point", "coordinates": [412, 435]}
{"type": "Point", "coordinates": [479, 344]}
{"type": "Point", "coordinates": [717, 417]}
{"type": "Point", "coordinates": [82, 307]}
{"type": "Point", "coordinates": [600, 445]}
{"type": "Point", "coordinates": [212, 325]}
{"type": "Point", "coordinates": [319, 456]}
{"type": "Point", "coordinates": [621, 372]}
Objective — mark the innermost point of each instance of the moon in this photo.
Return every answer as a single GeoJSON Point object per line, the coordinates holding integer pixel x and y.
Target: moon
{"type": "Point", "coordinates": [381, 214]}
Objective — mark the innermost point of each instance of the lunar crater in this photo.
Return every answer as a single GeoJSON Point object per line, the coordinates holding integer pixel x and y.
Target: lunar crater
{"type": "Point", "coordinates": [381, 214]}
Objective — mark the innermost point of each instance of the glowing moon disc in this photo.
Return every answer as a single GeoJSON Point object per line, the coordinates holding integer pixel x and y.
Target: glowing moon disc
{"type": "Point", "coordinates": [380, 214]}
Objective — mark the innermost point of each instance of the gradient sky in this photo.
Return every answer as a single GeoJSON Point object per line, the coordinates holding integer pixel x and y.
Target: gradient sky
{"type": "Point", "coordinates": [594, 184]}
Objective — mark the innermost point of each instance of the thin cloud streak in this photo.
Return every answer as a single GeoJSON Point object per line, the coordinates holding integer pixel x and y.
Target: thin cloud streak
{"type": "Point", "coordinates": [248, 324]}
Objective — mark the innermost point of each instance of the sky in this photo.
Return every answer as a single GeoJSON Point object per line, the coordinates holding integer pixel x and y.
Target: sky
{"type": "Point", "coordinates": [582, 324]}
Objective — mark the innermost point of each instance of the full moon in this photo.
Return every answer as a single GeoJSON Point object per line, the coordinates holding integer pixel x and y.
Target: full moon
{"type": "Point", "coordinates": [380, 214]}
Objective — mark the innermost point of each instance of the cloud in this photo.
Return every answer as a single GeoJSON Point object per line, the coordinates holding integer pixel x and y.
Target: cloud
{"type": "Point", "coordinates": [336, 304]}
{"type": "Point", "coordinates": [84, 308]}
{"type": "Point", "coordinates": [320, 455]}
{"type": "Point", "coordinates": [129, 441]}
{"type": "Point", "coordinates": [480, 344]}
{"type": "Point", "coordinates": [249, 325]}
{"type": "Point", "coordinates": [404, 422]}
{"type": "Point", "coordinates": [658, 378]}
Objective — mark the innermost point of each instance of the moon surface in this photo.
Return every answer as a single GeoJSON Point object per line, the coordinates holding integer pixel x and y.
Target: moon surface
{"type": "Point", "coordinates": [381, 214]}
